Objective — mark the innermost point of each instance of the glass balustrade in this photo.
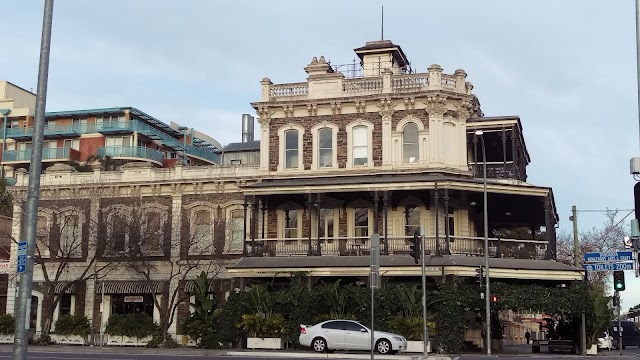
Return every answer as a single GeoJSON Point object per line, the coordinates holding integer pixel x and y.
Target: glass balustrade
{"type": "Point", "coordinates": [131, 151]}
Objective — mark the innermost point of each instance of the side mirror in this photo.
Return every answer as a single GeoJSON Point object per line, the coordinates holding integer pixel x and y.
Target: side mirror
{"type": "Point", "coordinates": [363, 330]}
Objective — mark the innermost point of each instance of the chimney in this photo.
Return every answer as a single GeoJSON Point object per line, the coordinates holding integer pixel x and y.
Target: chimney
{"type": "Point", "coordinates": [247, 128]}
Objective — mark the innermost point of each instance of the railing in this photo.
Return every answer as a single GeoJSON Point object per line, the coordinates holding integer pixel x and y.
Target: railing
{"type": "Point", "coordinates": [498, 170]}
{"type": "Point", "coordinates": [132, 152]}
{"type": "Point", "coordinates": [406, 83]}
{"type": "Point", "coordinates": [448, 81]}
{"type": "Point", "coordinates": [47, 154]}
{"type": "Point", "coordinates": [117, 126]}
{"type": "Point", "coordinates": [360, 246]}
{"type": "Point", "coordinates": [297, 89]}
{"type": "Point", "coordinates": [362, 85]}
{"type": "Point", "coordinates": [10, 181]}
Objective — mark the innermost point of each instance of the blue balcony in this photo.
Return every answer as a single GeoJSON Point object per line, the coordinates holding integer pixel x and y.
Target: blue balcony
{"type": "Point", "coordinates": [48, 154]}
{"type": "Point", "coordinates": [131, 152]}
{"type": "Point", "coordinates": [50, 131]}
{"type": "Point", "coordinates": [113, 127]}
{"type": "Point", "coordinates": [10, 181]}
{"type": "Point", "coordinates": [205, 154]}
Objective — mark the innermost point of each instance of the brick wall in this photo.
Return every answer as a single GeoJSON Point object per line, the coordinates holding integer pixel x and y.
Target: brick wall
{"type": "Point", "coordinates": [341, 120]}
{"type": "Point", "coordinates": [89, 146]}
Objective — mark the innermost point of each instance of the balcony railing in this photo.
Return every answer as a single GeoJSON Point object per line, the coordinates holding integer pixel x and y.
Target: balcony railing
{"type": "Point", "coordinates": [354, 246]}
{"type": "Point", "coordinates": [48, 154]}
{"type": "Point", "coordinates": [115, 127]}
{"type": "Point", "coordinates": [131, 152]}
{"type": "Point", "coordinates": [499, 170]}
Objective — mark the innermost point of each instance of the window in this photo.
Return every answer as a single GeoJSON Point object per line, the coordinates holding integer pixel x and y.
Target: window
{"type": "Point", "coordinates": [352, 326]}
{"type": "Point", "coordinates": [412, 220]}
{"type": "Point", "coordinates": [65, 304]}
{"type": "Point", "coordinates": [410, 149]}
{"type": "Point", "coordinates": [326, 223]}
{"type": "Point", "coordinates": [291, 149]}
{"type": "Point", "coordinates": [237, 230]}
{"type": "Point", "coordinates": [202, 234]}
{"type": "Point", "coordinates": [236, 161]}
{"type": "Point", "coordinates": [360, 146]}
{"type": "Point", "coordinates": [361, 222]}
{"type": "Point", "coordinates": [118, 141]}
{"type": "Point", "coordinates": [70, 236]}
{"type": "Point", "coordinates": [152, 230]}
{"type": "Point", "coordinates": [109, 121]}
{"type": "Point", "coordinates": [451, 220]}
{"type": "Point", "coordinates": [119, 234]}
{"type": "Point", "coordinates": [132, 304]}
{"type": "Point", "coordinates": [291, 224]}
{"type": "Point", "coordinates": [15, 123]}
{"type": "Point", "coordinates": [72, 144]}
{"type": "Point", "coordinates": [325, 147]}
{"type": "Point", "coordinates": [25, 146]}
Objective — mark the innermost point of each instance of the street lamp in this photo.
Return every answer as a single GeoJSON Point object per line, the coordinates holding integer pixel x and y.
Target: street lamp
{"type": "Point", "coordinates": [4, 112]}
{"type": "Point", "coordinates": [487, 292]}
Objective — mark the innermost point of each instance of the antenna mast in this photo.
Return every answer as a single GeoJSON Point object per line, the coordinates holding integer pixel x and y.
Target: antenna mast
{"type": "Point", "coordinates": [382, 25]}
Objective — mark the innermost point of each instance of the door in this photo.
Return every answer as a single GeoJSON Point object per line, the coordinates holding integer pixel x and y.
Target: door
{"type": "Point", "coordinates": [334, 334]}
{"type": "Point", "coordinates": [356, 336]}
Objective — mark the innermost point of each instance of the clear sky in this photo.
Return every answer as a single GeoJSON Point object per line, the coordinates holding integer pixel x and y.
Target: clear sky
{"type": "Point", "coordinates": [567, 68]}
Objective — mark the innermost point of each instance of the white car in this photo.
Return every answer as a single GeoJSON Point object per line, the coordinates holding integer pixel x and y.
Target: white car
{"type": "Point", "coordinates": [349, 335]}
{"type": "Point", "coordinates": [605, 341]}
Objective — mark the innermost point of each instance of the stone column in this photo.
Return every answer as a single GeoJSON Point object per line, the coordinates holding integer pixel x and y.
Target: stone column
{"type": "Point", "coordinates": [386, 137]}
{"type": "Point", "coordinates": [176, 223]}
{"type": "Point", "coordinates": [436, 107]}
{"type": "Point", "coordinates": [173, 328]}
{"type": "Point", "coordinates": [264, 120]}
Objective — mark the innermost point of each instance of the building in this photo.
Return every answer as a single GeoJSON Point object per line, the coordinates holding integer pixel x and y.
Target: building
{"type": "Point", "coordinates": [384, 150]}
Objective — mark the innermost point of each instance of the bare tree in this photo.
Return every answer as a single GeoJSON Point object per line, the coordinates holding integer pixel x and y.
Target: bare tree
{"type": "Point", "coordinates": [609, 236]}
{"type": "Point", "coordinates": [65, 248]}
{"type": "Point", "coordinates": [153, 256]}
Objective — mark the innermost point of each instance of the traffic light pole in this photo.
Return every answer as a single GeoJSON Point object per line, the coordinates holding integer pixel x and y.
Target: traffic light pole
{"type": "Point", "coordinates": [617, 295]}
{"type": "Point", "coordinates": [425, 328]}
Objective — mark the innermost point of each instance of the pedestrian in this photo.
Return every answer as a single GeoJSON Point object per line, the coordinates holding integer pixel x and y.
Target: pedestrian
{"type": "Point", "coordinates": [527, 336]}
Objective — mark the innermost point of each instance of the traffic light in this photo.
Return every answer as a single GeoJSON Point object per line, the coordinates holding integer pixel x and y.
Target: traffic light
{"type": "Point", "coordinates": [636, 198]}
{"type": "Point", "coordinates": [616, 301]}
{"type": "Point", "coordinates": [618, 281]}
{"type": "Point", "coordinates": [494, 299]}
{"type": "Point", "coordinates": [480, 276]}
{"type": "Point", "coordinates": [415, 248]}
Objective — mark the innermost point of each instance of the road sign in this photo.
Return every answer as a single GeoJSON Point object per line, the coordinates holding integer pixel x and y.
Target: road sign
{"type": "Point", "coordinates": [615, 256]}
{"type": "Point", "coordinates": [609, 266]}
{"type": "Point", "coordinates": [22, 257]}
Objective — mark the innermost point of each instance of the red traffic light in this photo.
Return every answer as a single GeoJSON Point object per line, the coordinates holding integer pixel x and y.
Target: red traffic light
{"type": "Point", "coordinates": [494, 299]}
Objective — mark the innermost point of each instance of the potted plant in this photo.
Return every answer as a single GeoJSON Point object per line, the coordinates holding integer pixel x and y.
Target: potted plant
{"type": "Point", "coordinates": [7, 328]}
{"type": "Point", "coordinates": [412, 329]}
{"type": "Point", "coordinates": [201, 322]}
{"type": "Point", "coordinates": [600, 316]}
{"type": "Point", "coordinates": [264, 332]}
{"type": "Point", "coordinates": [71, 330]}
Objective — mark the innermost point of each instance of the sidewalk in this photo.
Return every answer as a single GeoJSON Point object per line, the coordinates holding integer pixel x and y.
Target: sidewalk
{"type": "Point", "coordinates": [121, 350]}
{"type": "Point", "coordinates": [313, 355]}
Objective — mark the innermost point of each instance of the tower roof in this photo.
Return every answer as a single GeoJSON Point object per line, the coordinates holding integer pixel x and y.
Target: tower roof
{"type": "Point", "coordinates": [381, 47]}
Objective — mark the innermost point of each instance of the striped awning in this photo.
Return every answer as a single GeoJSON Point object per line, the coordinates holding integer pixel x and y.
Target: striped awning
{"type": "Point", "coordinates": [131, 287]}
{"type": "Point", "coordinates": [60, 286]}
{"type": "Point", "coordinates": [190, 284]}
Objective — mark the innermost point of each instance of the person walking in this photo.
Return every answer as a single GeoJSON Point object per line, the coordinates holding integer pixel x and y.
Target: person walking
{"type": "Point", "coordinates": [527, 335]}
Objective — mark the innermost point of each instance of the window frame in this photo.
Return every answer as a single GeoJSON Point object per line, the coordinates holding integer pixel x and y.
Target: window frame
{"type": "Point", "coordinates": [351, 146]}
{"type": "Point", "coordinates": [315, 131]}
{"type": "Point", "coordinates": [282, 148]}
{"type": "Point", "coordinates": [193, 246]}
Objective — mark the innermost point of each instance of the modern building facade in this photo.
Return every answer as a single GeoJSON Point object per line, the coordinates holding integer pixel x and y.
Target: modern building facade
{"type": "Point", "coordinates": [337, 158]}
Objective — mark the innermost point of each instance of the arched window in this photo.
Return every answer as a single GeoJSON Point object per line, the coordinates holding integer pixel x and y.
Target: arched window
{"type": "Point", "coordinates": [412, 220]}
{"type": "Point", "coordinates": [360, 146]}
{"type": "Point", "coordinates": [70, 236]}
{"type": "Point", "coordinates": [291, 149]}
{"type": "Point", "coordinates": [325, 147]}
{"type": "Point", "coordinates": [237, 230]}
{"type": "Point", "coordinates": [202, 233]}
{"type": "Point", "coordinates": [119, 233]}
{"type": "Point", "coordinates": [361, 222]}
{"type": "Point", "coordinates": [410, 148]}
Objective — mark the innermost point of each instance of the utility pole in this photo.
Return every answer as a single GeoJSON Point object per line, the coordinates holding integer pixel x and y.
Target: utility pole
{"type": "Point", "coordinates": [576, 263]}
{"type": "Point", "coordinates": [617, 295]}
{"type": "Point", "coordinates": [23, 309]}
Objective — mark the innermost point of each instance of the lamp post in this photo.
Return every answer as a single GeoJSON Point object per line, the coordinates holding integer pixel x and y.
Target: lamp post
{"type": "Point", "coordinates": [4, 112]}
{"type": "Point", "coordinates": [487, 291]}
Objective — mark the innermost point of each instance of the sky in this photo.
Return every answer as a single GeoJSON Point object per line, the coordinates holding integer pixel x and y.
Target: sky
{"type": "Point", "coordinates": [567, 68]}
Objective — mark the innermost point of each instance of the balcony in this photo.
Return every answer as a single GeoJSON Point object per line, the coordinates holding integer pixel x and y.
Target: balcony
{"type": "Point", "coordinates": [342, 246]}
{"type": "Point", "coordinates": [50, 131]}
{"type": "Point", "coordinates": [500, 170]}
{"type": "Point", "coordinates": [131, 152]}
{"type": "Point", "coordinates": [204, 154]}
{"type": "Point", "coordinates": [48, 155]}
{"type": "Point", "coordinates": [10, 181]}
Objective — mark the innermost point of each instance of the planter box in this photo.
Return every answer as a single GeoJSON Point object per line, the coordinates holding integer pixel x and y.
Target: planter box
{"type": "Point", "coordinates": [68, 339]}
{"type": "Point", "coordinates": [593, 350]}
{"type": "Point", "coordinates": [265, 343]}
{"type": "Point", "coordinates": [6, 339]}
{"type": "Point", "coordinates": [127, 341]}
{"type": "Point", "coordinates": [417, 346]}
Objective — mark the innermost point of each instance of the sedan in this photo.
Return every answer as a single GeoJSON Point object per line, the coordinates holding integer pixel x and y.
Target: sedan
{"type": "Point", "coordinates": [349, 335]}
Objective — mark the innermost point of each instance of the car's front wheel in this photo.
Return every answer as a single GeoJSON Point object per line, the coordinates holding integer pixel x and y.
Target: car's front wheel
{"type": "Point", "coordinates": [383, 346]}
{"type": "Point", "coordinates": [319, 345]}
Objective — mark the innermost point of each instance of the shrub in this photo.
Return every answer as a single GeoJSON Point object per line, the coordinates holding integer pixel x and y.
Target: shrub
{"type": "Point", "coordinates": [256, 325]}
{"type": "Point", "coordinates": [157, 342]}
{"type": "Point", "coordinates": [77, 324]}
{"type": "Point", "coordinates": [7, 324]}
{"type": "Point", "coordinates": [411, 328]}
{"type": "Point", "coordinates": [132, 325]}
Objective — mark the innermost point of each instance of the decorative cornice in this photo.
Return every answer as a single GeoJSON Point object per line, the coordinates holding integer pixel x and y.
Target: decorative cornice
{"type": "Point", "coordinates": [336, 108]}
{"type": "Point", "coordinates": [436, 105]}
{"type": "Point", "coordinates": [312, 109]}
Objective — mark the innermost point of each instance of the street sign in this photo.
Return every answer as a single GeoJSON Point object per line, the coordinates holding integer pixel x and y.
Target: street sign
{"type": "Point", "coordinates": [22, 257]}
{"type": "Point", "coordinates": [374, 275]}
{"type": "Point", "coordinates": [609, 266]}
{"type": "Point", "coordinates": [600, 257]}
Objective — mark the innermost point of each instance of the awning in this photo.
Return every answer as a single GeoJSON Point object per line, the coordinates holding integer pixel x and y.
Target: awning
{"type": "Point", "coordinates": [189, 285]}
{"type": "Point", "coordinates": [131, 287]}
{"type": "Point", "coordinates": [60, 286]}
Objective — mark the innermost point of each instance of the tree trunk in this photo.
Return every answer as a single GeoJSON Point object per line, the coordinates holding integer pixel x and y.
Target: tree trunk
{"type": "Point", "coordinates": [48, 307]}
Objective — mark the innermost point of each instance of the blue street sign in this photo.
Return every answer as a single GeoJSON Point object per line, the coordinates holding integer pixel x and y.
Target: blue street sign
{"type": "Point", "coordinates": [600, 257]}
{"type": "Point", "coordinates": [22, 268]}
{"type": "Point", "coordinates": [22, 248]}
{"type": "Point", "coordinates": [609, 266]}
